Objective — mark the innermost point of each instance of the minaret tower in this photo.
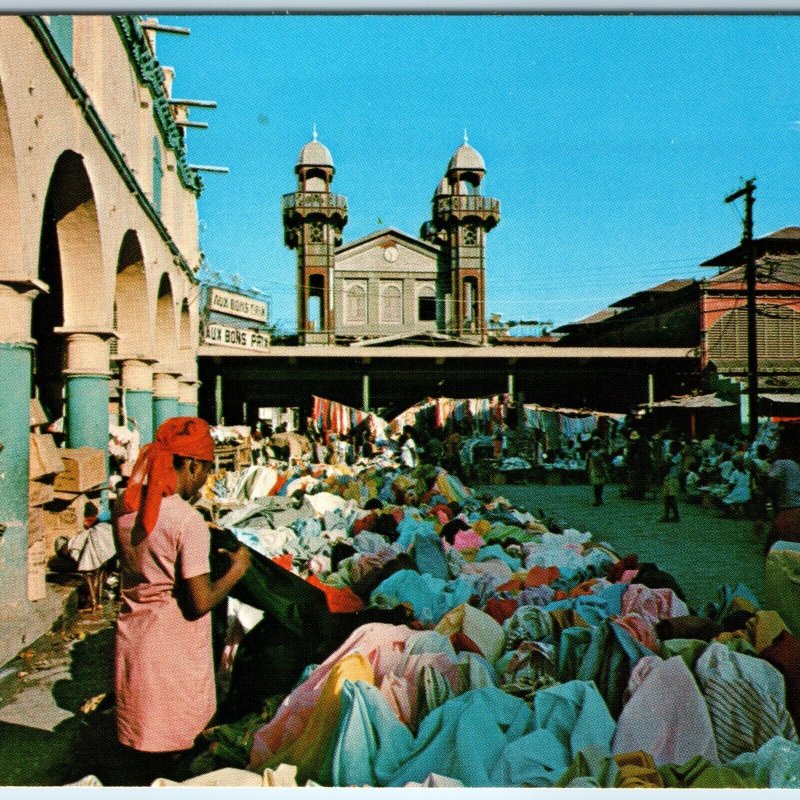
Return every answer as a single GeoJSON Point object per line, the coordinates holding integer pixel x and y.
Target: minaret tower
{"type": "Point", "coordinates": [461, 219]}
{"type": "Point", "coordinates": [313, 220]}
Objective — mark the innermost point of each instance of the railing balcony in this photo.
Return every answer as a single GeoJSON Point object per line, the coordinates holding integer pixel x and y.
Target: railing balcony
{"type": "Point", "coordinates": [323, 202]}
{"type": "Point", "coordinates": [465, 203]}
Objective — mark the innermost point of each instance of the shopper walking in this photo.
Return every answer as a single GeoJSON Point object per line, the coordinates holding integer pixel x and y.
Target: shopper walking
{"type": "Point", "coordinates": [598, 469]}
{"type": "Point", "coordinates": [163, 669]}
{"type": "Point", "coordinates": [784, 487]}
{"type": "Point", "coordinates": [671, 483]}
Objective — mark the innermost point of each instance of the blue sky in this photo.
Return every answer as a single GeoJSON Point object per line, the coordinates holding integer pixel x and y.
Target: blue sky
{"type": "Point", "coordinates": [611, 142]}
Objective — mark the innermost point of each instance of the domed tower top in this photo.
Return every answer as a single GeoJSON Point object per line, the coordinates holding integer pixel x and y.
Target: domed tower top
{"type": "Point", "coordinates": [466, 169]}
{"type": "Point", "coordinates": [467, 159]}
{"type": "Point", "coordinates": [315, 155]}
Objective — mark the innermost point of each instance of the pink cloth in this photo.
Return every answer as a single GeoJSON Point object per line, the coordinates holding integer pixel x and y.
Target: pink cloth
{"type": "Point", "coordinates": [652, 604]}
{"type": "Point", "coordinates": [640, 628]}
{"type": "Point", "coordinates": [666, 715]}
{"type": "Point", "coordinates": [163, 667]}
{"type": "Point", "coordinates": [496, 570]}
{"type": "Point", "coordinates": [383, 645]}
{"type": "Point", "coordinates": [467, 540]}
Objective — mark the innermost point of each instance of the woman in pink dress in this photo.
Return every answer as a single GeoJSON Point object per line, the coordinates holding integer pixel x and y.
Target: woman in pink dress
{"type": "Point", "coordinates": [163, 670]}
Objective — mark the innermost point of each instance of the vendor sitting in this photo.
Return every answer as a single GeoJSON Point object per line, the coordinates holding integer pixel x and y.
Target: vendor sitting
{"type": "Point", "coordinates": [87, 553]}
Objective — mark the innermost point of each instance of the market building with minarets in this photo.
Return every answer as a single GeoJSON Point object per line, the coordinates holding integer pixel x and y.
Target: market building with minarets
{"type": "Point", "coordinates": [390, 284]}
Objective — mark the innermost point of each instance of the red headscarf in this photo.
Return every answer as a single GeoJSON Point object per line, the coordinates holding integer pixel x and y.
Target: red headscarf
{"type": "Point", "coordinates": [189, 437]}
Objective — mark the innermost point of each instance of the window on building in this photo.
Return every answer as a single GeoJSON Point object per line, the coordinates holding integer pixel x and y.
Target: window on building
{"type": "Point", "coordinates": [61, 28]}
{"type": "Point", "coordinates": [158, 174]}
{"type": "Point", "coordinates": [391, 306]}
{"type": "Point", "coordinates": [426, 304]}
{"type": "Point", "coordinates": [470, 235]}
{"type": "Point", "coordinates": [355, 304]}
{"type": "Point", "coordinates": [777, 334]}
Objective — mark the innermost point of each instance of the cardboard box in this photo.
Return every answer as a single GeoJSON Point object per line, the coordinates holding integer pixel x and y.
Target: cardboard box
{"type": "Point", "coordinates": [38, 417]}
{"type": "Point", "coordinates": [45, 457]}
{"type": "Point", "coordinates": [35, 525]}
{"type": "Point", "coordinates": [84, 469]}
{"type": "Point", "coordinates": [36, 571]}
{"type": "Point", "coordinates": [63, 516]}
{"type": "Point", "coordinates": [41, 491]}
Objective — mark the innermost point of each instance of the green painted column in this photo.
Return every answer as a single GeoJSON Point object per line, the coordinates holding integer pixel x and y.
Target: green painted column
{"type": "Point", "coordinates": [136, 376]}
{"type": "Point", "coordinates": [86, 417]}
{"type": "Point", "coordinates": [163, 409]}
{"type": "Point", "coordinates": [165, 396]}
{"type": "Point", "coordinates": [15, 378]}
{"type": "Point", "coordinates": [139, 406]}
{"type": "Point", "coordinates": [187, 409]}
{"type": "Point", "coordinates": [187, 398]}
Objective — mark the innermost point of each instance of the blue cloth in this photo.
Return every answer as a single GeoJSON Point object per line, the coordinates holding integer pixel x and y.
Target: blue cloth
{"type": "Point", "coordinates": [572, 647]}
{"type": "Point", "coordinates": [775, 765]}
{"type": "Point", "coordinates": [431, 598]}
{"type": "Point", "coordinates": [462, 739]}
{"type": "Point", "coordinates": [609, 660]}
{"type": "Point", "coordinates": [366, 725]}
{"type": "Point", "coordinates": [567, 718]}
{"type": "Point", "coordinates": [420, 537]}
{"type": "Point", "coordinates": [726, 596]}
{"type": "Point", "coordinates": [496, 551]}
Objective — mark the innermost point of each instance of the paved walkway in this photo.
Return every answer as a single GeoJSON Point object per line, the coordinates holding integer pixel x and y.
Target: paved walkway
{"type": "Point", "coordinates": [702, 552]}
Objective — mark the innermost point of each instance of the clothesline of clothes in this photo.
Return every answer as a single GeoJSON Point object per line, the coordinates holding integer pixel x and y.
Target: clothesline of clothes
{"type": "Point", "coordinates": [560, 424]}
{"type": "Point", "coordinates": [329, 416]}
{"type": "Point", "coordinates": [484, 413]}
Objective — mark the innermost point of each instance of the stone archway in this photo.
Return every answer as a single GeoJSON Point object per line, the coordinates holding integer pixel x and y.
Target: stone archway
{"type": "Point", "coordinates": [167, 351]}
{"type": "Point", "coordinates": [131, 315]}
{"type": "Point", "coordinates": [70, 261]}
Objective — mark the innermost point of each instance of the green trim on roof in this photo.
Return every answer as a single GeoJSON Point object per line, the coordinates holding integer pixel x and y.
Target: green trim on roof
{"type": "Point", "coordinates": [150, 74]}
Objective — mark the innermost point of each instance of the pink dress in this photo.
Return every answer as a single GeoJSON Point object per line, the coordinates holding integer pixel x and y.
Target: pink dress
{"type": "Point", "coordinates": [163, 669]}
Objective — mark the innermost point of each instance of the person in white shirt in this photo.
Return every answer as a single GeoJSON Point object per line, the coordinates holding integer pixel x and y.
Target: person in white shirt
{"type": "Point", "coordinates": [408, 448]}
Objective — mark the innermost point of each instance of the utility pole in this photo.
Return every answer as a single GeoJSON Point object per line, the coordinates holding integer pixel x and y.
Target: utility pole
{"type": "Point", "coordinates": [747, 192]}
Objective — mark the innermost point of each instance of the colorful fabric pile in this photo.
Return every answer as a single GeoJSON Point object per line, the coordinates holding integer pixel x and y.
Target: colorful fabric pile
{"type": "Point", "coordinates": [530, 657]}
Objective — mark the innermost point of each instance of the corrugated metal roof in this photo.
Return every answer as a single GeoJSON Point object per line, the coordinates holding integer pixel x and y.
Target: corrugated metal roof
{"type": "Point", "coordinates": [674, 285]}
{"type": "Point", "coordinates": [771, 268]}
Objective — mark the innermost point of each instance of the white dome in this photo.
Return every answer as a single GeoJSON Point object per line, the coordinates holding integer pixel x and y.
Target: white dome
{"type": "Point", "coordinates": [315, 154]}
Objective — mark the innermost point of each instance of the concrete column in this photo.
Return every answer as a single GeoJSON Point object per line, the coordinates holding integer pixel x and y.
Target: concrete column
{"type": "Point", "coordinates": [651, 389]}
{"type": "Point", "coordinates": [15, 378]}
{"type": "Point", "coordinates": [187, 398]}
{"type": "Point", "coordinates": [165, 396]}
{"type": "Point", "coordinates": [87, 378]}
{"type": "Point", "coordinates": [365, 399]}
{"type": "Point", "coordinates": [219, 416]}
{"type": "Point", "coordinates": [511, 386]}
{"type": "Point", "coordinates": [137, 384]}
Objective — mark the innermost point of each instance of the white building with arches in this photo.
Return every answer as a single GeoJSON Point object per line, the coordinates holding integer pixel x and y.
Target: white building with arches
{"type": "Point", "coordinates": [98, 246]}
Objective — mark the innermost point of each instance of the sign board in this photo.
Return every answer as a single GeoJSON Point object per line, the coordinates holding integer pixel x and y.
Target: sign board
{"type": "Point", "coordinates": [237, 337]}
{"type": "Point", "coordinates": [237, 305]}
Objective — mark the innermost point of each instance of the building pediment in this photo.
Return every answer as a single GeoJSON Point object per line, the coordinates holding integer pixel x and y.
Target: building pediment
{"type": "Point", "coordinates": [388, 251]}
